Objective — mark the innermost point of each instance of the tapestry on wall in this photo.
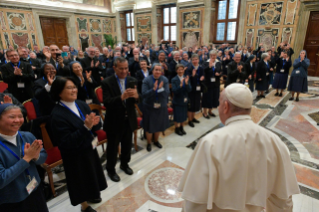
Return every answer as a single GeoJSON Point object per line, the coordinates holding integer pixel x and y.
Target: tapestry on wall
{"type": "Point", "coordinates": [95, 25]}
{"type": "Point", "coordinates": [107, 26]}
{"type": "Point", "coordinates": [97, 41]}
{"type": "Point", "coordinates": [191, 39]}
{"type": "Point", "coordinates": [16, 21]}
{"type": "Point", "coordinates": [286, 35]}
{"type": "Point", "coordinates": [143, 24]}
{"type": "Point", "coordinates": [2, 22]}
{"type": "Point", "coordinates": [143, 37]}
{"type": "Point", "coordinates": [268, 38]}
{"type": "Point", "coordinates": [20, 39]}
{"type": "Point", "coordinates": [291, 11]}
{"type": "Point", "coordinates": [191, 20]}
{"type": "Point", "coordinates": [249, 37]}
{"type": "Point", "coordinates": [82, 24]}
{"type": "Point", "coordinates": [252, 10]}
{"type": "Point", "coordinates": [270, 13]}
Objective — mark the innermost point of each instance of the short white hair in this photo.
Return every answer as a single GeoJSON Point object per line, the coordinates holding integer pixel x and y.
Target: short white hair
{"type": "Point", "coordinates": [264, 55]}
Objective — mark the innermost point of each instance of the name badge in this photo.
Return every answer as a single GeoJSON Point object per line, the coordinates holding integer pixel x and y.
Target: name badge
{"type": "Point", "coordinates": [198, 88]}
{"type": "Point", "coordinates": [226, 66]}
{"type": "Point", "coordinates": [282, 70]}
{"type": "Point", "coordinates": [185, 99]}
{"type": "Point", "coordinates": [213, 79]}
{"type": "Point", "coordinates": [35, 76]}
{"type": "Point", "coordinates": [20, 84]}
{"type": "Point", "coordinates": [157, 105]}
{"type": "Point", "coordinates": [238, 80]}
{"type": "Point", "coordinates": [88, 101]}
{"type": "Point", "coordinates": [297, 72]}
{"type": "Point", "coordinates": [95, 142]}
{"type": "Point", "coordinates": [267, 73]}
{"type": "Point", "coordinates": [31, 186]}
{"type": "Point", "coordinates": [100, 72]}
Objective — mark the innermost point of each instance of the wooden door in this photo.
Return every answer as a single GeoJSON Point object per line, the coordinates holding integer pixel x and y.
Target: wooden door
{"type": "Point", "coordinates": [54, 31]}
{"type": "Point", "coordinates": [312, 44]}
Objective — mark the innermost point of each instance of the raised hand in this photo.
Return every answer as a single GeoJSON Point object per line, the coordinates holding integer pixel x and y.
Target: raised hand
{"type": "Point", "coordinates": [17, 71]}
{"type": "Point", "coordinates": [50, 79]}
{"type": "Point", "coordinates": [7, 99]}
{"type": "Point", "coordinates": [88, 74]}
{"type": "Point", "coordinates": [97, 64]}
{"type": "Point", "coordinates": [202, 78]}
{"type": "Point", "coordinates": [92, 63]}
{"type": "Point", "coordinates": [194, 72]}
{"type": "Point", "coordinates": [161, 85]}
{"type": "Point", "coordinates": [155, 85]}
{"type": "Point", "coordinates": [32, 151]}
{"type": "Point", "coordinates": [89, 120]}
{"type": "Point", "coordinates": [182, 82]}
{"type": "Point", "coordinates": [186, 80]}
{"type": "Point", "coordinates": [47, 55]}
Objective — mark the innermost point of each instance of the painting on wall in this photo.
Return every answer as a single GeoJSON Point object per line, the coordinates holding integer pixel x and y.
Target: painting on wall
{"type": "Point", "coordinates": [2, 22]}
{"type": "Point", "coordinates": [107, 26]}
{"type": "Point", "coordinates": [95, 25]}
{"type": "Point", "coordinates": [20, 39]}
{"type": "Point", "coordinates": [268, 38]}
{"type": "Point", "coordinates": [291, 11]}
{"type": "Point", "coordinates": [82, 24]}
{"type": "Point", "coordinates": [84, 41]}
{"type": "Point", "coordinates": [191, 39]}
{"type": "Point", "coordinates": [270, 13]}
{"type": "Point", "coordinates": [286, 35]}
{"type": "Point", "coordinates": [252, 10]}
{"type": "Point", "coordinates": [191, 20]}
{"type": "Point", "coordinates": [16, 21]}
{"type": "Point", "coordinates": [143, 24]}
{"type": "Point", "coordinates": [97, 41]}
{"type": "Point", "coordinates": [249, 37]}
{"type": "Point", "coordinates": [143, 37]}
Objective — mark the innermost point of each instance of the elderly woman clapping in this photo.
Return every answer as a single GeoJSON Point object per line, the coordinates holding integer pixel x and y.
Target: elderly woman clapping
{"type": "Point", "coordinates": [20, 152]}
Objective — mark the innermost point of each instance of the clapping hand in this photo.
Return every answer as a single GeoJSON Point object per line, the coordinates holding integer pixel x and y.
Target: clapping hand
{"type": "Point", "coordinates": [92, 63]}
{"type": "Point", "coordinates": [91, 120]}
{"type": "Point", "coordinates": [17, 71]}
{"type": "Point", "coordinates": [194, 72]}
{"type": "Point", "coordinates": [132, 92]}
{"type": "Point", "coordinates": [155, 85]}
{"type": "Point", "coordinates": [186, 80]}
{"type": "Point", "coordinates": [217, 74]}
{"type": "Point", "coordinates": [32, 151]}
{"type": "Point", "coordinates": [88, 74]}
{"type": "Point", "coordinates": [50, 79]}
{"type": "Point", "coordinates": [47, 54]}
{"type": "Point", "coordinates": [202, 78]}
{"type": "Point", "coordinates": [6, 99]}
{"type": "Point", "coordinates": [97, 64]}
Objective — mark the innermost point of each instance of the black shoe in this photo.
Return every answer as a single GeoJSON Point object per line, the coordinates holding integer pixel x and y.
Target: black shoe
{"type": "Point", "coordinates": [88, 209]}
{"type": "Point", "coordinates": [127, 170]}
{"type": "Point", "coordinates": [262, 96]}
{"type": "Point", "coordinates": [317, 124]}
{"type": "Point", "coordinates": [178, 131]}
{"type": "Point", "coordinates": [206, 117]}
{"type": "Point", "coordinates": [297, 99]}
{"type": "Point", "coordinates": [181, 129]}
{"type": "Point", "coordinates": [267, 91]}
{"type": "Point", "coordinates": [149, 147]}
{"type": "Point", "coordinates": [212, 114]}
{"type": "Point", "coordinates": [98, 200]}
{"type": "Point", "coordinates": [158, 144]}
{"type": "Point", "coordinates": [291, 99]}
{"type": "Point", "coordinates": [114, 177]}
{"type": "Point", "coordinates": [191, 124]}
{"type": "Point", "coordinates": [280, 94]}
{"type": "Point", "coordinates": [276, 94]}
{"type": "Point", "coordinates": [195, 121]}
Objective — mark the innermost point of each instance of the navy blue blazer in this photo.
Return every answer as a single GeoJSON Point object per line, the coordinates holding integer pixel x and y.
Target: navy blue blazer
{"type": "Point", "coordinates": [180, 93]}
{"type": "Point", "coordinates": [149, 95]}
{"type": "Point", "coordinates": [194, 81]}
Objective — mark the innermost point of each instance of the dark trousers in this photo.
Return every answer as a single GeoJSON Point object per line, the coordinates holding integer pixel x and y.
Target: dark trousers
{"type": "Point", "coordinates": [251, 84]}
{"type": "Point", "coordinates": [35, 202]}
{"type": "Point", "coordinates": [113, 140]}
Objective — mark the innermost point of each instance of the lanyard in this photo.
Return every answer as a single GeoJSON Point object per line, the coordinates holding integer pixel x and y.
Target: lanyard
{"type": "Point", "coordinates": [213, 68]}
{"type": "Point", "coordinates": [118, 81]}
{"type": "Point", "coordinates": [57, 64]}
{"type": "Point", "coordinates": [81, 114]}
{"type": "Point", "coordinates": [87, 93]}
{"type": "Point", "coordinates": [30, 62]}
{"type": "Point", "coordinates": [15, 155]}
{"type": "Point", "coordinates": [267, 66]}
{"type": "Point", "coordinates": [45, 80]}
{"type": "Point", "coordinates": [283, 63]}
{"type": "Point", "coordinates": [143, 73]}
{"type": "Point", "coordinates": [17, 65]}
{"type": "Point", "coordinates": [156, 93]}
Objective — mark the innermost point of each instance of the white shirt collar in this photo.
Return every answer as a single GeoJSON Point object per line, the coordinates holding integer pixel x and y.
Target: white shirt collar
{"type": "Point", "coordinates": [11, 138]}
{"type": "Point", "coordinates": [237, 118]}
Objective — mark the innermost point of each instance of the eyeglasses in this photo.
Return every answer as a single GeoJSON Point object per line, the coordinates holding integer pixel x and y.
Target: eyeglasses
{"type": "Point", "coordinates": [71, 88]}
{"type": "Point", "coordinates": [13, 55]}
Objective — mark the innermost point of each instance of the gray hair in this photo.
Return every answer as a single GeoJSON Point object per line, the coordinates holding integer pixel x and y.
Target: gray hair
{"type": "Point", "coordinates": [157, 64]}
{"type": "Point", "coordinates": [237, 53]}
{"type": "Point", "coordinates": [264, 55]}
{"type": "Point", "coordinates": [10, 108]}
{"type": "Point", "coordinates": [119, 60]}
{"type": "Point", "coordinates": [195, 56]}
{"type": "Point", "coordinates": [147, 51]}
{"type": "Point", "coordinates": [105, 48]}
{"type": "Point", "coordinates": [175, 52]}
{"type": "Point", "coordinates": [213, 52]}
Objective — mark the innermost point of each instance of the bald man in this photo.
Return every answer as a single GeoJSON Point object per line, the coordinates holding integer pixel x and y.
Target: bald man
{"type": "Point", "coordinates": [50, 54]}
{"type": "Point", "coordinates": [241, 167]}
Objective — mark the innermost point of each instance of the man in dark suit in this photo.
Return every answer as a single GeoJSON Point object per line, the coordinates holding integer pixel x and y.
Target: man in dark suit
{"type": "Point", "coordinates": [236, 70]}
{"type": "Point", "coordinates": [119, 95]}
{"type": "Point", "coordinates": [173, 63]}
{"type": "Point", "coordinates": [92, 63]}
{"type": "Point", "coordinates": [19, 76]}
{"type": "Point", "coordinates": [134, 62]}
{"type": "Point", "coordinates": [40, 54]}
{"type": "Point", "coordinates": [35, 64]}
{"type": "Point", "coordinates": [51, 57]}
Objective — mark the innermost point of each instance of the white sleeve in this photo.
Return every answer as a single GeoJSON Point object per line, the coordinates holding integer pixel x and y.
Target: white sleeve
{"type": "Point", "coordinates": [47, 87]}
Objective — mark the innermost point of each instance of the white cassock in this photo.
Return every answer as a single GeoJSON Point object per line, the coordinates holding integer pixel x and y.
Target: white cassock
{"type": "Point", "coordinates": [241, 167]}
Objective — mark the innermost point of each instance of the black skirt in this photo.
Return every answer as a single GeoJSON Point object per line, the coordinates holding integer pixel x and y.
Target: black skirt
{"type": "Point", "coordinates": [84, 175]}
{"type": "Point", "coordinates": [298, 84]}
{"type": "Point", "coordinates": [35, 202]}
{"type": "Point", "coordinates": [211, 98]}
{"type": "Point", "coordinates": [155, 119]}
{"type": "Point", "coordinates": [180, 113]}
{"type": "Point", "coordinates": [262, 85]}
{"type": "Point", "coordinates": [280, 81]}
{"type": "Point", "coordinates": [194, 101]}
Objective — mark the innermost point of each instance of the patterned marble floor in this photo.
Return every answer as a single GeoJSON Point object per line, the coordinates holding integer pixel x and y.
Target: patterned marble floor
{"type": "Point", "coordinates": [152, 188]}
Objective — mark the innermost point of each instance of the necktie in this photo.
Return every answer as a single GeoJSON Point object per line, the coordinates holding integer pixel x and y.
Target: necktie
{"type": "Point", "coordinates": [123, 86]}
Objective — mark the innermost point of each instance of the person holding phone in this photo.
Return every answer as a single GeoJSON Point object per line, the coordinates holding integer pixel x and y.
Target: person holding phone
{"type": "Point", "coordinates": [119, 97]}
{"type": "Point", "coordinates": [53, 56]}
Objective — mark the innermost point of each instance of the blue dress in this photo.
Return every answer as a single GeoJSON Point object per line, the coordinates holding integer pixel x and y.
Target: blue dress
{"type": "Point", "coordinates": [298, 79]}
{"type": "Point", "coordinates": [180, 99]}
{"type": "Point", "coordinates": [155, 119]}
{"type": "Point", "coordinates": [195, 94]}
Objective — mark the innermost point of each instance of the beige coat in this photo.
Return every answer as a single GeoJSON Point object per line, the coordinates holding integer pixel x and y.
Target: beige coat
{"type": "Point", "coordinates": [241, 167]}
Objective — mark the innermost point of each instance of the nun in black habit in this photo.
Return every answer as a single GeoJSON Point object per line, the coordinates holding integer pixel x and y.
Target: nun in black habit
{"type": "Point", "coordinates": [74, 126]}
